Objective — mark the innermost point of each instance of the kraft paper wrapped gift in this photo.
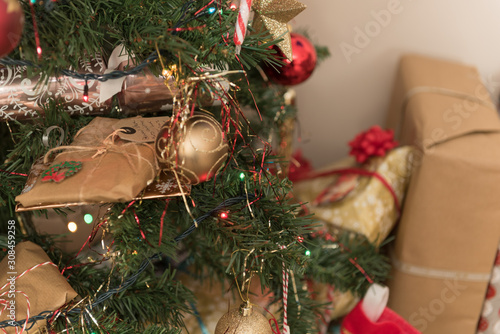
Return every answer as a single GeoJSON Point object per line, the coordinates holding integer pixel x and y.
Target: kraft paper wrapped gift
{"type": "Point", "coordinates": [113, 171]}
{"type": "Point", "coordinates": [45, 287]}
{"type": "Point", "coordinates": [449, 230]}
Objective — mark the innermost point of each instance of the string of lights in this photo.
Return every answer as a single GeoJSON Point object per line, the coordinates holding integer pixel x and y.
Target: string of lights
{"type": "Point", "coordinates": [133, 278]}
{"type": "Point", "coordinates": [116, 74]}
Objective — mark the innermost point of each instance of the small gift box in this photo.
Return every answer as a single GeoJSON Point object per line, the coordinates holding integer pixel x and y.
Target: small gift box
{"type": "Point", "coordinates": [28, 275]}
{"type": "Point", "coordinates": [98, 167]}
{"type": "Point", "coordinates": [365, 199]}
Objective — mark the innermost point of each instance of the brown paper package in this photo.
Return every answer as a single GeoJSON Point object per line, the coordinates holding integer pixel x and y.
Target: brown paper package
{"type": "Point", "coordinates": [45, 287]}
{"type": "Point", "coordinates": [449, 230]}
{"type": "Point", "coordinates": [117, 175]}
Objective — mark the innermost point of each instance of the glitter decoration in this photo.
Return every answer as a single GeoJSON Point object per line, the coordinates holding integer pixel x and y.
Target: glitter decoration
{"type": "Point", "coordinates": [243, 320]}
{"type": "Point", "coordinates": [195, 148]}
{"type": "Point", "coordinates": [274, 15]}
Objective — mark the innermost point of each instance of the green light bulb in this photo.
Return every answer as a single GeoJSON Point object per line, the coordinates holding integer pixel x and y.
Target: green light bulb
{"type": "Point", "coordinates": [88, 218]}
{"type": "Point", "coordinates": [308, 252]}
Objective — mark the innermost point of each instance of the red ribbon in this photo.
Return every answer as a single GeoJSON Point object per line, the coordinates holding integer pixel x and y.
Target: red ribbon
{"type": "Point", "coordinates": [358, 171]}
{"type": "Point", "coordinates": [187, 29]}
{"type": "Point", "coordinates": [13, 173]}
{"type": "Point", "coordinates": [161, 220]}
{"type": "Point", "coordinates": [356, 264]}
{"type": "Point", "coordinates": [139, 224]}
{"type": "Point", "coordinates": [273, 321]}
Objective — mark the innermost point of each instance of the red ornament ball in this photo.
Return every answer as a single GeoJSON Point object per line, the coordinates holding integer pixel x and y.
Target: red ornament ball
{"type": "Point", "coordinates": [300, 68]}
{"type": "Point", "coordinates": [11, 25]}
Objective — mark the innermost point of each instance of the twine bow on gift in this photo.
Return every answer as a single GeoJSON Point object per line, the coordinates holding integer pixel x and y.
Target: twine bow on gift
{"type": "Point", "coordinates": [109, 144]}
{"type": "Point", "coordinates": [10, 289]}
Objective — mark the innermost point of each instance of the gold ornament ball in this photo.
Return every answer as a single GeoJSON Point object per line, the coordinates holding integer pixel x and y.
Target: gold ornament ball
{"type": "Point", "coordinates": [243, 320]}
{"type": "Point", "coordinates": [195, 148]}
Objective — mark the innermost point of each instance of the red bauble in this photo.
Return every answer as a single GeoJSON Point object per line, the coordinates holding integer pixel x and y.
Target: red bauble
{"type": "Point", "coordinates": [11, 25]}
{"type": "Point", "coordinates": [300, 68]}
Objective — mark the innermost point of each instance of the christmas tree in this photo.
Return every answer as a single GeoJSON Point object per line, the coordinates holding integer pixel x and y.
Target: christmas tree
{"type": "Point", "coordinates": [220, 157]}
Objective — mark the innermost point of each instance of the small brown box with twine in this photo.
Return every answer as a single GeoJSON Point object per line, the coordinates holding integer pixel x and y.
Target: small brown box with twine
{"type": "Point", "coordinates": [34, 278]}
{"type": "Point", "coordinates": [111, 169]}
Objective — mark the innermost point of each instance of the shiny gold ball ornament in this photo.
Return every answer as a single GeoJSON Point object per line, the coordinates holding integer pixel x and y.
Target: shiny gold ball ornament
{"type": "Point", "coordinates": [195, 148]}
{"type": "Point", "coordinates": [243, 320]}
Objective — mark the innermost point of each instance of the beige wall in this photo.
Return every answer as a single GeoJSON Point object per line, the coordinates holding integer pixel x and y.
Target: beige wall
{"type": "Point", "coordinates": [350, 91]}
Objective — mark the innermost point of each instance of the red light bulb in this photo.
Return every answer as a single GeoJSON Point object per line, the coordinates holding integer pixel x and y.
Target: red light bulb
{"type": "Point", "coordinates": [86, 92]}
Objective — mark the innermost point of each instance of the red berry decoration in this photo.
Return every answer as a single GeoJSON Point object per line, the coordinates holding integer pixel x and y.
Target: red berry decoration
{"type": "Point", "coordinates": [300, 68]}
{"type": "Point", "coordinates": [11, 25]}
{"type": "Point", "coordinates": [372, 143]}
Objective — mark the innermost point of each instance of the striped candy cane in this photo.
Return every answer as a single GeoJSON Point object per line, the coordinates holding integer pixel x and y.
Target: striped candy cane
{"type": "Point", "coordinates": [241, 24]}
{"type": "Point", "coordinates": [286, 329]}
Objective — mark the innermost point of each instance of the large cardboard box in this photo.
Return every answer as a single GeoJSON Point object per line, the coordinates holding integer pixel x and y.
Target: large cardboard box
{"type": "Point", "coordinates": [450, 226]}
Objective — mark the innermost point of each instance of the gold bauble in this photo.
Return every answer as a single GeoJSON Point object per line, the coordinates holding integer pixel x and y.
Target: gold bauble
{"type": "Point", "coordinates": [194, 148]}
{"type": "Point", "coordinates": [243, 320]}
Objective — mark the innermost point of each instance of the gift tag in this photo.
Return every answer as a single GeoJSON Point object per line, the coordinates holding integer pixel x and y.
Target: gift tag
{"type": "Point", "coordinates": [140, 129]}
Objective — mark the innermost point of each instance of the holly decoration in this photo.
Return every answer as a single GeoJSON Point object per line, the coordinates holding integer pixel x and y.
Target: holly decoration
{"type": "Point", "coordinates": [62, 170]}
{"type": "Point", "coordinates": [11, 25]}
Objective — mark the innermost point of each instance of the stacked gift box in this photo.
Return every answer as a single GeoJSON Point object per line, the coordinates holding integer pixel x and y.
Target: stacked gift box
{"type": "Point", "coordinates": [448, 235]}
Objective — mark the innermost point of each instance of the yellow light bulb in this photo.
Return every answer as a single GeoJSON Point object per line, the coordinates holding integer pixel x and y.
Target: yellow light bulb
{"type": "Point", "coordinates": [72, 227]}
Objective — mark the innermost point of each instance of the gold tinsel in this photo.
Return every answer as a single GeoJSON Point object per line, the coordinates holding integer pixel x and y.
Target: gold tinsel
{"type": "Point", "coordinates": [274, 15]}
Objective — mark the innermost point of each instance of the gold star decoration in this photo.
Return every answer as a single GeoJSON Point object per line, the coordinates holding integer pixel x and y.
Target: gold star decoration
{"type": "Point", "coordinates": [274, 15]}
